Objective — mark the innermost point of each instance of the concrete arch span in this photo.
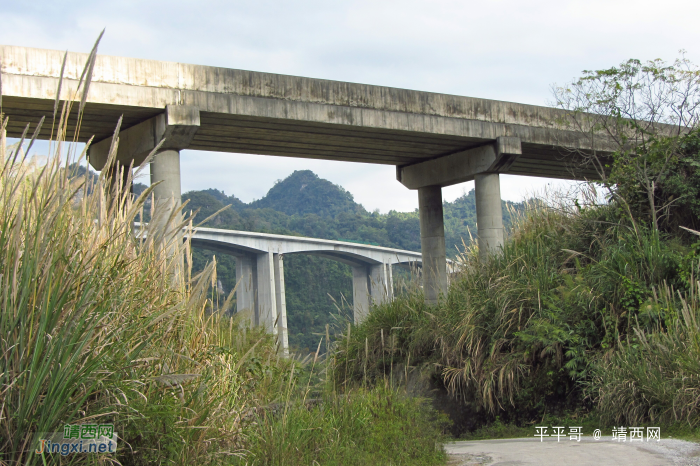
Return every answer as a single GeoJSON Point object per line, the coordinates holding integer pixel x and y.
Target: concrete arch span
{"type": "Point", "coordinates": [260, 271]}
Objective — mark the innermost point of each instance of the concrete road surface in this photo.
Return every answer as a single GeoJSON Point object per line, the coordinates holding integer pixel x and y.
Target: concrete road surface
{"type": "Point", "coordinates": [603, 452]}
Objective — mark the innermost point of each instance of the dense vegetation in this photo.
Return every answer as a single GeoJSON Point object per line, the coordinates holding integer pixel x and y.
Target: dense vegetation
{"type": "Point", "coordinates": [305, 205]}
{"type": "Point", "coordinates": [589, 308]}
{"type": "Point", "coordinates": [99, 325]}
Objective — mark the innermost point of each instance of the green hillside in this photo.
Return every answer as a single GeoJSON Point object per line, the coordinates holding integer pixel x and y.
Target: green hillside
{"type": "Point", "coordinates": [305, 205]}
{"type": "Point", "coordinates": [303, 192]}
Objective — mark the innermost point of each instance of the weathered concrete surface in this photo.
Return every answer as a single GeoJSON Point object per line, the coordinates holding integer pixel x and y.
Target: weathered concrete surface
{"type": "Point", "coordinates": [263, 113]}
{"type": "Point", "coordinates": [432, 243]}
{"type": "Point", "coordinates": [281, 301]}
{"type": "Point", "coordinates": [587, 452]}
{"type": "Point", "coordinates": [381, 283]}
{"type": "Point", "coordinates": [266, 292]}
{"type": "Point", "coordinates": [461, 166]}
{"type": "Point", "coordinates": [489, 212]}
{"type": "Point", "coordinates": [165, 170]}
{"type": "Point", "coordinates": [361, 299]}
{"type": "Point", "coordinates": [245, 292]}
{"type": "Point", "coordinates": [176, 127]}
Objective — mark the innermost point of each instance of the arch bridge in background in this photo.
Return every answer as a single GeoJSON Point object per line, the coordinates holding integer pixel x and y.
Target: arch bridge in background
{"type": "Point", "coordinates": [260, 271]}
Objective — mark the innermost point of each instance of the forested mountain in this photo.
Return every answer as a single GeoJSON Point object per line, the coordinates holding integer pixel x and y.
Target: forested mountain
{"type": "Point", "coordinates": [305, 205]}
{"type": "Point", "coordinates": [303, 192]}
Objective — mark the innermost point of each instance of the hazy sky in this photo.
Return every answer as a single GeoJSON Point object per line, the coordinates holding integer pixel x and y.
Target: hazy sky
{"type": "Point", "coordinates": [506, 50]}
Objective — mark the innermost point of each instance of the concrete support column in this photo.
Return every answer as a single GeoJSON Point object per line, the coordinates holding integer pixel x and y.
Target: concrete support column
{"type": "Point", "coordinates": [166, 199]}
{"type": "Point", "coordinates": [432, 240]}
{"type": "Point", "coordinates": [281, 303]}
{"type": "Point", "coordinates": [489, 214]}
{"type": "Point", "coordinates": [245, 291]}
{"type": "Point", "coordinates": [380, 283]}
{"type": "Point", "coordinates": [166, 168]}
{"type": "Point", "coordinates": [265, 292]}
{"type": "Point", "coordinates": [390, 282]}
{"type": "Point", "coordinates": [360, 292]}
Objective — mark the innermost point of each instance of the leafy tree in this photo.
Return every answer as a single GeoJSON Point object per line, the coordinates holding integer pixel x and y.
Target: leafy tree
{"type": "Point", "coordinates": [647, 115]}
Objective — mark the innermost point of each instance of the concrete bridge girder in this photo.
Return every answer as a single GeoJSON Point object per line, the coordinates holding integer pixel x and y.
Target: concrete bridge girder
{"type": "Point", "coordinates": [260, 271]}
{"type": "Point", "coordinates": [254, 242]}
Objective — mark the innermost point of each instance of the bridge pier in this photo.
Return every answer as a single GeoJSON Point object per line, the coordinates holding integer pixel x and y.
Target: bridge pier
{"type": "Point", "coordinates": [165, 170]}
{"type": "Point", "coordinates": [481, 164]}
{"type": "Point", "coordinates": [360, 293]}
{"type": "Point", "coordinates": [260, 296]}
{"type": "Point", "coordinates": [266, 292]}
{"type": "Point", "coordinates": [432, 242]}
{"type": "Point", "coordinates": [173, 129]}
{"type": "Point", "coordinates": [281, 301]}
{"type": "Point", "coordinates": [381, 283]}
{"type": "Point", "coordinates": [245, 291]}
{"type": "Point", "coordinates": [489, 213]}
{"type": "Point", "coordinates": [371, 284]}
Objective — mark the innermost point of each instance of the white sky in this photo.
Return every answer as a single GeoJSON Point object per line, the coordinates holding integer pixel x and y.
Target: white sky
{"type": "Point", "coordinates": [506, 50]}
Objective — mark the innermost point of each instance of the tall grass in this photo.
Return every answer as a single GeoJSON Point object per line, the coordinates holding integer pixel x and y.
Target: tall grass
{"type": "Point", "coordinates": [100, 325]}
{"type": "Point", "coordinates": [378, 426]}
{"type": "Point", "coordinates": [320, 422]}
{"type": "Point", "coordinates": [103, 322]}
{"type": "Point", "coordinates": [521, 330]}
{"type": "Point", "coordinates": [655, 377]}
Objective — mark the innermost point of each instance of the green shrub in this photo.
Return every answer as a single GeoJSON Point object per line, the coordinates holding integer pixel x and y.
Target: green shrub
{"type": "Point", "coordinates": [654, 377]}
{"type": "Point", "coordinates": [519, 332]}
{"type": "Point", "coordinates": [365, 427]}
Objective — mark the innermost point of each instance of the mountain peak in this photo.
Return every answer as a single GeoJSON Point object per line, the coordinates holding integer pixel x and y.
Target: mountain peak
{"type": "Point", "coordinates": [303, 192]}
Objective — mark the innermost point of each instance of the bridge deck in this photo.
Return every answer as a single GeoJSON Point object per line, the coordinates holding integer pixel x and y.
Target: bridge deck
{"type": "Point", "coordinates": [246, 242]}
{"type": "Point", "coordinates": [263, 113]}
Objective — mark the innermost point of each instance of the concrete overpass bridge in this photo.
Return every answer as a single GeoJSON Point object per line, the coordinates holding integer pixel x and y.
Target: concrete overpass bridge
{"type": "Point", "coordinates": [434, 140]}
{"type": "Point", "coordinates": [260, 271]}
